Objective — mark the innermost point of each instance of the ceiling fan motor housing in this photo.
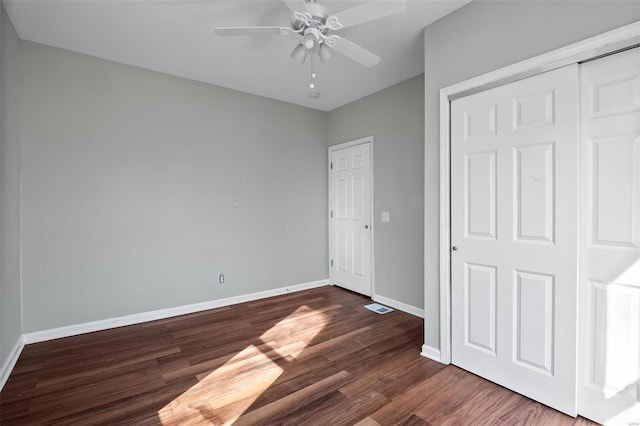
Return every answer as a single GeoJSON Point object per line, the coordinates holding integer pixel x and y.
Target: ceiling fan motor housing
{"type": "Point", "coordinates": [319, 15]}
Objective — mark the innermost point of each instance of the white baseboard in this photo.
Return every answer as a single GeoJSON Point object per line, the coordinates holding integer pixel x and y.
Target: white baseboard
{"type": "Point", "coordinates": [399, 305]}
{"type": "Point", "coordinates": [431, 353]}
{"type": "Point", "coordinates": [89, 327]}
{"type": "Point", "coordinates": [10, 362]}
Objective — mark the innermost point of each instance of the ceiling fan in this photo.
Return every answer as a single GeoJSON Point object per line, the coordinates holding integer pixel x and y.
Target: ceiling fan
{"type": "Point", "coordinates": [313, 23]}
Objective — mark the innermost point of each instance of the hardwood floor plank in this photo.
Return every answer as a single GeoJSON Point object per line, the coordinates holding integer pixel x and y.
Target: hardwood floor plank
{"type": "Point", "coordinates": [311, 412]}
{"type": "Point", "coordinates": [402, 408]}
{"type": "Point", "coordinates": [372, 377]}
{"type": "Point", "coordinates": [314, 357]}
{"type": "Point", "coordinates": [246, 361]}
{"type": "Point", "coordinates": [296, 400]}
{"type": "Point", "coordinates": [17, 409]}
{"type": "Point", "coordinates": [368, 421]}
{"type": "Point", "coordinates": [450, 389]}
{"type": "Point", "coordinates": [393, 375]}
{"type": "Point", "coordinates": [296, 376]}
{"type": "Point", "coordinates": [207, 366]}
{"type": "Point", "coordinates": [352, 410]}
{"type": "Point", "coordinates": [331, 345]}
{"type": "Point", "coordinates": [487, 406]}
{"type": "Point", "coordinates": [344, 411]}
{"type": "Point", "coordinates": [130, 411]}
{"type": "Point", "coordinates": [110, 369]}
{"type": "Point", "coordinates": [531, 412]}
{"type": "Point", "coordinates": [88, 396]}
{"type": "Point", "coordinates": [228, 326]}
{"type": "Point", "coordinates": [417, 421]}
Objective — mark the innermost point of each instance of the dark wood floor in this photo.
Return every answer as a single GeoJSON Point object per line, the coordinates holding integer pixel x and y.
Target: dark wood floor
{"type": "Point", "coordinates": [315, 357]}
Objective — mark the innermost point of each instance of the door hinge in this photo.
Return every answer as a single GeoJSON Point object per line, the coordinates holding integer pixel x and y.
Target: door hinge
{"type": "Point", "coordinates": [332, 165]}
{"type": "Point", "coordinates": [332, 263]}
{"type": "Point", "coordinates": [332, 214]}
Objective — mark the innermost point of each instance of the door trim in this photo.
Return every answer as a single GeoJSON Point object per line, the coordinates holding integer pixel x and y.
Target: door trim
{"type": "Point", "coordinates": [604, 44]}
{"type": "Point", "coordinates": [337, 147]}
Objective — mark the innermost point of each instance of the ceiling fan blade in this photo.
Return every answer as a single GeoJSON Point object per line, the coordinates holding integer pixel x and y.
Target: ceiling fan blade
{"type": "Point", "coordinates": [356, 52]}
{"type": "Point", "coordinates": [240, 31]}
{"type": "Point", "coordinates": [296, 5]}
{"type": "Point", "coordinates": [369, 12]}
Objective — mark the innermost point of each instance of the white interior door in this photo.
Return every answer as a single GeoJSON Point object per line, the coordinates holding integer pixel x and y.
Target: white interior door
{"type": "Point", "coordinates": [350, 222]}
{"type": "Point", "coordinates": [514, 226]}
{"type": "Point", "coordinates": [610, 269]}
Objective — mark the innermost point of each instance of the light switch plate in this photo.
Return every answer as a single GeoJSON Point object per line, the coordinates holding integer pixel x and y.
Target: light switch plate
{"type": "Point", "coordinates": [386, 217]}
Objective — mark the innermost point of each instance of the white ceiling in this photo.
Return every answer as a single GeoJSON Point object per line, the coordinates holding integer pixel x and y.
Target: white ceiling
{"type": "Point", "coordinates": [176, 37]}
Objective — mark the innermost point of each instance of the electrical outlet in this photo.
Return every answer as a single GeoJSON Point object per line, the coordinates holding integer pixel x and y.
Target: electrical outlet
{"type": "Point", "coordinates": [221, 278]}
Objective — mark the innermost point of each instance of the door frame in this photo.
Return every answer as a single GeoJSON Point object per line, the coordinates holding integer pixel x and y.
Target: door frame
{"type": "Point", "coordinates": [607, 43]}
{"type": "Point", "coordinates": [337, 147]}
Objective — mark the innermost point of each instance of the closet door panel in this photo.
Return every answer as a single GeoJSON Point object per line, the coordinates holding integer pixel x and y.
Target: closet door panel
{"type": "Point", "coordinates": [609, 386]}
{"type": "Point", "coordinates": [514, 216]}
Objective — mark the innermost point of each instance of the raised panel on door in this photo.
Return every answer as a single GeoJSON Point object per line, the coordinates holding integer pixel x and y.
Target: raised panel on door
{"type": "Point", "coordinates": [514, 224]}
{"type": "Point", "coordinates": [350, 218]}
{"type": "Point", "coordinates": [533, 326]}
{"type": "Point", "coordinates": [359, 256]}
{"type": "Point", "coordinates": [609, 385]}
{"type": "Point", "coordinates": [359, 199]}
{"type": "Point", "coordinates": [342, 198]}
{"type": "Point", "coordinates": [533, 110]}
{"type": "Point", "coordinates": [480, 194]}
{"type": "Point", "coordinates": [534, 193]}
{"type": "Point", "coordinates": [614, 171]}
{"type": "Point", "coordinates": [480, 121]}
{"type": "Point", "coordinates": [343, 252]}
{"type": "Point", "coordinates": [480, 307]}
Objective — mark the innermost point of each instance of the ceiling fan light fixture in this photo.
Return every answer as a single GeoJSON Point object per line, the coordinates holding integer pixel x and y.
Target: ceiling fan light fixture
{"type": "Point", "coordinates": [311, 44]}
{"type": "Point", "coordinates": [299, 54]}
{"type": "Point", "coordinates": [325, 53]}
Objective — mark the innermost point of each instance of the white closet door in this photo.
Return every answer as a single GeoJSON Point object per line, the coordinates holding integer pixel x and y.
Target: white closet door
{"type": "Point", "coordinates": [610, 282]}
{"type": "Point", "coordinates": [514, 184]}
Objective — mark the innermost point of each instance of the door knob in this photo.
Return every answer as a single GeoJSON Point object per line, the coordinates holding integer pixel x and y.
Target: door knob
{"type": "Point", "coordinates": [454, 248]}
{"type": "Point", "coordinates": [366, 227]}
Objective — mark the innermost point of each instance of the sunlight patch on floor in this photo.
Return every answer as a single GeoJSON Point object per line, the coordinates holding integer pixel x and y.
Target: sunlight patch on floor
{"type": "Point", "coordinates": [221, 396]}
{"type": "Point", "coordinates": [303, 325]}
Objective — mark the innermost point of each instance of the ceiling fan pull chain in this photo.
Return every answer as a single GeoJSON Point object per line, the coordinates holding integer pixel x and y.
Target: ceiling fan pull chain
{"type": "Point", "coordinates": [312, 85]}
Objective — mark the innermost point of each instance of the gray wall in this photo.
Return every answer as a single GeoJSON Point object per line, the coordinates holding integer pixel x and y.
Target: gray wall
{"type": "Point", "coordinates": [10, 297]}
{"type": "Point", "coordinates": [480, 37]}
{"type": "Point", "coordinates": [140, 188]}
{"type": "Point", "coordinates": [394, 117]}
